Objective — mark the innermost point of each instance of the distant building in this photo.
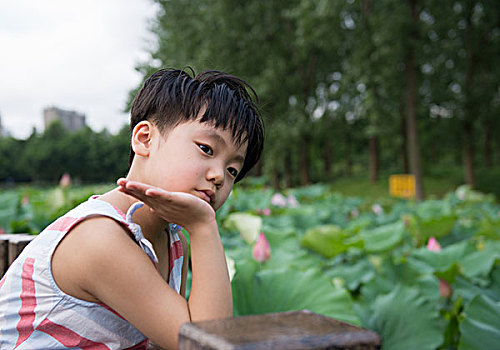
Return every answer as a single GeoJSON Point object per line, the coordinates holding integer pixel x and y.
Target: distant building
{"type": "Point", "coordinates": [70, 119]}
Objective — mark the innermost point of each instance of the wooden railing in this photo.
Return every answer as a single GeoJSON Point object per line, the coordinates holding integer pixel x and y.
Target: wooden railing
{"type": "Point", "coordinates": [11, 245]}
{"type": "Point", "coordinates": [285, 330]}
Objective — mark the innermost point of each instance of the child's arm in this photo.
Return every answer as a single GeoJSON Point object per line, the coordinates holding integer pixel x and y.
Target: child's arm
{"type": "Point", "coordinates": [210, 295]}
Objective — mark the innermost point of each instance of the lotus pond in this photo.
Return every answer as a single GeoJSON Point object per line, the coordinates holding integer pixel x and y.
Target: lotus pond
{"type": "Point", "coordinates": [422, 275]}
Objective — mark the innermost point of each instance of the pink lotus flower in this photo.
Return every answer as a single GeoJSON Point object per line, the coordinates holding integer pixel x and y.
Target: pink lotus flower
{"type": "Point", "coordinates": [263, 212]}
{"type": "Point", "coordinates": [261, 251]}
{"type": "Point", "coordinates": [433, 245]}
{"type": "Point", "coordinates": [444, 288]}
{"type": "Point", "coordinates": [266, 211]}
{"type": "Point", "coordinates": [65, 180]}
{"type": "Point", "coordinates": [2, 231]}
{"type": "Point", "coordinates": [278, 200]}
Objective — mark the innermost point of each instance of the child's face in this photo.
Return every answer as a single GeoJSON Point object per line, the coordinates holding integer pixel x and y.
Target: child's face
{"type": "Point", "coordinates": [199, 159]}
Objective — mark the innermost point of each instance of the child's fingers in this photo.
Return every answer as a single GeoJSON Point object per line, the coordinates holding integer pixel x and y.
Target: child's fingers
{"type": "Point", "coordinates": [157, 192]}
{"type": "Point", "coordinates": [121, 181]}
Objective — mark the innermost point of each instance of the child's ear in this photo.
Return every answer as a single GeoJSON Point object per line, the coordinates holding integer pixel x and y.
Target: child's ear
{"type": "Point", "coordinates": [141, 138]}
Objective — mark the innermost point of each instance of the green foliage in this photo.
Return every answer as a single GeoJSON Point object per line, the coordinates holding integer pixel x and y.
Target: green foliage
{"type": "Point", "coordinates": [479, 326]}
{"type": "Point", "coordinates": [373, 259]}
{"type": "Point", "coordinates": [86, 155]}
{"type": "Point", "coordinates": [327, 240]}
{"type": "Point", "coordinates": [332, 74]}
{"type": "Point", "coordinates": [30, 210]}
{"type": "Point", "coordinates": [275, 290]}
{"type": "Point", "coordinates": [406, 320]}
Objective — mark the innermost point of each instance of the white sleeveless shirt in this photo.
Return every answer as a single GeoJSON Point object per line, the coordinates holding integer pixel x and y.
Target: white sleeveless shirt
{"type": "Point", "coordinates": [36, 314]}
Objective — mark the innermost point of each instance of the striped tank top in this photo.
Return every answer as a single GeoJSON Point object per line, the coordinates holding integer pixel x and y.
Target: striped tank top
{"type": "Point", "coordinates": [36, 314]}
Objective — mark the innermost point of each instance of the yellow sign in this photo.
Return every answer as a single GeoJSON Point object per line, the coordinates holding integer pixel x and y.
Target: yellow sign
{"type": "Point", "coordinates": [402, 186]}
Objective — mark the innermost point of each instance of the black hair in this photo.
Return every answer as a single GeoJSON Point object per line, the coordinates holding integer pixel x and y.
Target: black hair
{"type": "Point", "coordinates": [170, 97]}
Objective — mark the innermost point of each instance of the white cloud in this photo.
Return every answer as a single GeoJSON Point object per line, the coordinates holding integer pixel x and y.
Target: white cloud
{"type": "Point", "coordinates": [72, 54]}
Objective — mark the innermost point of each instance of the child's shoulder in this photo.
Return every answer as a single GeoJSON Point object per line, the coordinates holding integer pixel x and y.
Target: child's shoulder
{"type": "Point", "coordinates": [98, 248]}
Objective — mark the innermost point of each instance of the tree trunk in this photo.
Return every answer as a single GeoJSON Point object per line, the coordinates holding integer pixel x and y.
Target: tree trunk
{"type": "Point", "coordinates": [304, 162]}
{"type": "Point", "coordinates": [304, 166]}
{"type": "Point", "coordinates": [374, 158]}
{"type": "Point", "coordinates": [288, 170]}
{"type": "Point", "coordinates": [468, 131]}
{"type": "Point", "coordinates": [488, 159]}
{"type": "Point", "coordinates": [276, 180]}
{"type": "Point", "coordinates": [404, 146]}
{"type": "Point", "coordinates": [468, 155]}
{"type": "Point", "coordinates": [411, 108]}
{"type": "Point", "coordinates": [348, 157]}
{"type": "Point", "coordinates": [327, 159]}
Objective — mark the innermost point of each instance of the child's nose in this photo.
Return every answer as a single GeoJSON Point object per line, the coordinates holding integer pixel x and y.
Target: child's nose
{"type": "Point", "coordinates": [215, 174]}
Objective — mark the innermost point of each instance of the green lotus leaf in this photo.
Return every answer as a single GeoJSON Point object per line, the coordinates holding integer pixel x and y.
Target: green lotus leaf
{"type": "Point", "coordinates": [327, 240]}
{"type": "Point", "coordinates": [479, 327]}
{"type": "Point", "coordinates": [354, 275]}
{"type": "Point", "coordinates": [435, 218]}
{"type": "Point", "coordinates": [467, 290]}
{"type": "Point", "coordinates": [449, 274]}
{"type": "Point", "coordinates": [406, 320]}
{"type": "Point", "coordinates": [443, 260]}
{"type": "Point", "coordinates": [489, 226]}
{"type": "Point", "coordinates": [286, 250]}
{"type": "Point", "coordinates": [383, 238]}
{"type": "Point", "coordinates": [481, 262]}
{"type": "Point", "coordinates": [242, 286]}
{"type": "Point", "coordinates": [248, 225]}
{"type": "Point", "coordinates": [280, 290]}
{"type": "Point", "coordinates": [436, 227]}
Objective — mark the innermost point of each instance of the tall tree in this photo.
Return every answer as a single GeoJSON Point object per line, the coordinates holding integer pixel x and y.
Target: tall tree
{"type": "Point", "coordinates": [411, 101]}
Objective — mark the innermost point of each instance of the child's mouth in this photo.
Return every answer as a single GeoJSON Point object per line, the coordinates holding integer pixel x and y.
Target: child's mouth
{"type": "Point", "coordinates": [206, 195]}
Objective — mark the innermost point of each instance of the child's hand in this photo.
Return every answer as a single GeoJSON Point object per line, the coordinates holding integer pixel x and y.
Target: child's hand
{"type": "Point", "coordinates": [179, 208]}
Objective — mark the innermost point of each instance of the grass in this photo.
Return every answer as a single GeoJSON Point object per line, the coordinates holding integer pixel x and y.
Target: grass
{"type": "Point", "coordinates": [434, 186]}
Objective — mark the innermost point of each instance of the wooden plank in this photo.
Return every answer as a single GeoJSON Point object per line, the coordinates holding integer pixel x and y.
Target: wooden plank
{"type": "Point", "coordinates": [4, 254]}
{"type": "Point", "coordinates": [4, 251]}
{"type": "Point", "coordinates": [17, 242]}
{"type": "Point", "coordinates": [287, 330]}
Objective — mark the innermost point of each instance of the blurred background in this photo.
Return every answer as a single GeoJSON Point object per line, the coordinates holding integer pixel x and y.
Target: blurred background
{"type": "Point", "coordinates": [351, 91]}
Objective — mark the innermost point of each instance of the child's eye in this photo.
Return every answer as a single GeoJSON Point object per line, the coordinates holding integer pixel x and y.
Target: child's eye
{"type": "Point", "coordinates": [206, 149]}
{"type": "Point", "coordinates": [232, 171]}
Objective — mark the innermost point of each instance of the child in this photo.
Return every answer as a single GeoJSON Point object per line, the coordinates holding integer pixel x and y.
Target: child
{"type": "Point", "coordinates": [97, 278]}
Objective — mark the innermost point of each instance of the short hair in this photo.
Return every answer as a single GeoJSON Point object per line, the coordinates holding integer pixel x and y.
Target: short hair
{"type": "Point", "coordinates": [170, 97]}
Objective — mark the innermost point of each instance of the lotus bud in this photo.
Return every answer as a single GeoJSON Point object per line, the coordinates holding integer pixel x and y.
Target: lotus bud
{"type": "Point", "coordinates": [261, 250]}
{"type": "Point", "coordinates": [444, 288]}
{"type": "Point", "coordinates": [433, 245]}
{"type": "Point", "coordinates": [65, 180]}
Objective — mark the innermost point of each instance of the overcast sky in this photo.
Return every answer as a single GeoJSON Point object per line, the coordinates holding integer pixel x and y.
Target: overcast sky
{"type": "Point", "coordinates": [74, 54]}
